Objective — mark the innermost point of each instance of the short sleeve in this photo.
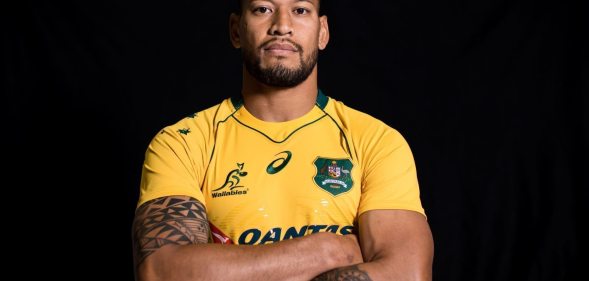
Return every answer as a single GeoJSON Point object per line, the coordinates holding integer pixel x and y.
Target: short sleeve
{"type": "Point", "coordinates": [169, 168]}
{"type": "Point", "coordinates": [390, 178]}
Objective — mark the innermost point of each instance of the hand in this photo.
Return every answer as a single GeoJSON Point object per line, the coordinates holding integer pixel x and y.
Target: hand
{"type": "Point", "coordinates": [350, 249]}
{"type": "Point", "coordinates": [341, 250]}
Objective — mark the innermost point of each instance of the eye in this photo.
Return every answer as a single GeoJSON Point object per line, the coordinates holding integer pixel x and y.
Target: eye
{"type": "Point", "coordinates": [262, 10]}
{"type": "Point", "coordinates": [301, 11]}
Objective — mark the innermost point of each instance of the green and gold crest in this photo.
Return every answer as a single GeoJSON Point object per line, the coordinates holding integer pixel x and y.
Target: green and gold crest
{"type": "Point", "coordinates": [333, 175]}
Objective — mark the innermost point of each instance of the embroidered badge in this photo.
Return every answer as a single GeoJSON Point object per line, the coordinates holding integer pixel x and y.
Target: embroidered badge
{"type": "Point", "coordinates": [333, 175]}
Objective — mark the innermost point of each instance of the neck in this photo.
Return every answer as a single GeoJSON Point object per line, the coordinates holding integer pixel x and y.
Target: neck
{"type": "Point", "coordinates": [274, 104]}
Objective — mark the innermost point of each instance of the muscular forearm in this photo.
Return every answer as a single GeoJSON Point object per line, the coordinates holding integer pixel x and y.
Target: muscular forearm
{"type": "Point", "coordinates": [374, 271]}
{"type": "Point", "coordinates": [297, 259]}
{"type": "Point", "coordinates": [397, 245]}
{"type": "Point", "coordinates": [350, 273]}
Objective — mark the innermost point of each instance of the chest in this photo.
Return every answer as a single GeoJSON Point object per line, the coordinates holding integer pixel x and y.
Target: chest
{"type": "Point", "coordinates": [306, 178]}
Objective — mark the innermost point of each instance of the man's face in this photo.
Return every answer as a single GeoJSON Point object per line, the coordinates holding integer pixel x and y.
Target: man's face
{"type": "Point", "coordinates": [280, 39]}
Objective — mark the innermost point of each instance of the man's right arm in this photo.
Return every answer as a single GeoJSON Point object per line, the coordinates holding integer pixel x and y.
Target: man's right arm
{"type": "Point", "coordinates": [171, 242]}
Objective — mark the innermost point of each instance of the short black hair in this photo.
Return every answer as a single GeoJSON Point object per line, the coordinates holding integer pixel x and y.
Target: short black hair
{"type": "Point", "coordinates": [238, 7]}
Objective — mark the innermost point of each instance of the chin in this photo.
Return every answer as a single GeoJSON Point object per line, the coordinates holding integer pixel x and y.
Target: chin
{"type": "Point", "coordinates": [282, 62]}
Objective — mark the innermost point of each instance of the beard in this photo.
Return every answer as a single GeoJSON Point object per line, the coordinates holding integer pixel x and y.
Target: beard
{"type": "Point", "coordinates": [279, 75]}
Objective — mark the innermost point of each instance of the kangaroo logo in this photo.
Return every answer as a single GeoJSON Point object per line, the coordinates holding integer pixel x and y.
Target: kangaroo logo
{"type": "Point", "coordinates": [233, 178]}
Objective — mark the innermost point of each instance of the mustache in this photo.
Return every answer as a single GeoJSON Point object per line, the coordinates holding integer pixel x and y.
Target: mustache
{"type": "Point", "coordinates": [297, 46]}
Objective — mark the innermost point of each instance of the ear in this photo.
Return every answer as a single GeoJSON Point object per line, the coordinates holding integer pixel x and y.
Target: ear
{"type": "Point", "coordinates": [234, 30]}
{"type": "Point", "coordinates": [323, 32]}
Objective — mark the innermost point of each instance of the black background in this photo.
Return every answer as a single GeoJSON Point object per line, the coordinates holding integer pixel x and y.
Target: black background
{"type": "Point", "coordinates": [492, 96]}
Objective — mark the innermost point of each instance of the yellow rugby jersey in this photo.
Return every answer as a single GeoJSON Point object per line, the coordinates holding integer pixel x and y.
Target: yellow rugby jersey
{"type": "Point", "coordinates": [262, 182]}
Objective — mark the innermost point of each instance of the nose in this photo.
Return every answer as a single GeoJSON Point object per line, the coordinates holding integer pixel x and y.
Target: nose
{"type": "Point", "coordinates": [281, 23]}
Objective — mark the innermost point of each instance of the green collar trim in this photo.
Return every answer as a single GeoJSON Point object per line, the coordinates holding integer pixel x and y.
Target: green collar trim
{"type": "Point", "coordinates": [237, 102]}
{"type": "Point", "coordinates": [321, 101]}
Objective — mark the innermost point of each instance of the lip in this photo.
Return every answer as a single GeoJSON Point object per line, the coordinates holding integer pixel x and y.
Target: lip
{"type": "Point", "coordinates": [279, 47]}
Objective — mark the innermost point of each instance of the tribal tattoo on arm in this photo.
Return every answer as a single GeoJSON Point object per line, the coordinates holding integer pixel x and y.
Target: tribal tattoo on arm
{"type": "Point", "coordinates": [168, 220]}
{"type": "Point", "coordinates": [350, 273]}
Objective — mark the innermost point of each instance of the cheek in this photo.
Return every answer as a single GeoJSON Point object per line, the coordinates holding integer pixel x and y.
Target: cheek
{"type": "Point", "coordinates": [253, 33]}
{"type": "Point", "coordinates": [252, 42]}
{"type": "Point", "coordinates": [245, 35]}
{"type": "Point", "coordinates": [312, 44]}
{"type": "Point", "coordinates": [313, 34]}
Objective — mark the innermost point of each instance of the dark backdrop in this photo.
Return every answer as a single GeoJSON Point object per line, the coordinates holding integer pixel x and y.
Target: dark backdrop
{"type": "Point", "coordinates": [492, 96]}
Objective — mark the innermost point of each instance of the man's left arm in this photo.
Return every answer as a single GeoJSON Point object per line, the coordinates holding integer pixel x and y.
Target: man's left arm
{"type": "Point", "coordinates": [396, 245]}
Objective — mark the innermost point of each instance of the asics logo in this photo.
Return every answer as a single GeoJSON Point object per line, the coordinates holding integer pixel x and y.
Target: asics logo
{"type": "Point", "coordinates": [278, 164]}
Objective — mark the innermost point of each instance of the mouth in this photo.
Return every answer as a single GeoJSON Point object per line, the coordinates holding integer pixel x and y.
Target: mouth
{"type": "Point", "coordinates": [281, 47]}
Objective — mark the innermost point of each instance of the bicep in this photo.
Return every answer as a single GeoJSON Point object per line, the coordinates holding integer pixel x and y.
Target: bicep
{"type": "Point", "coordinates": [399, 238]}
{"type": "Point", "coordinates": [179, 220]}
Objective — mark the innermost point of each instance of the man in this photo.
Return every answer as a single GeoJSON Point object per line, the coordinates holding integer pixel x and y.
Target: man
{"type": "Point", "coordinates": [282, 179]}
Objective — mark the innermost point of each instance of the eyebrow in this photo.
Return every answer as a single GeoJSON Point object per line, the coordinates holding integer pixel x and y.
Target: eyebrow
{"type": "Point", "coordinates": [272, 1]}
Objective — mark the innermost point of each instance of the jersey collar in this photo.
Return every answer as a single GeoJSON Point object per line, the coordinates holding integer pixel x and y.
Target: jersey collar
{"type": "Point", "coordinates": [321, 101]}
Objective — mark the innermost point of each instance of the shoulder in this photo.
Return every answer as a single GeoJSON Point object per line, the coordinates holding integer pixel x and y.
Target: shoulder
{"type": "Point", "coordinates": [359, 124]}
{"type": "Point", "coordinates": [201, 122]}
{"type": "Point", "coordinates": [195, 128]}
{"type": "Point", "coordinates": [370, 137]}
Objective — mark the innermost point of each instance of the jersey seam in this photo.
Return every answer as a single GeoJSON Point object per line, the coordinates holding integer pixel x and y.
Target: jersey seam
{"type": "Point", "coordinates": [287, 137]}
{"type": "Point", "coordinates": [343, 133]}
{"type": "Point", "coordinates": [215, 140]}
